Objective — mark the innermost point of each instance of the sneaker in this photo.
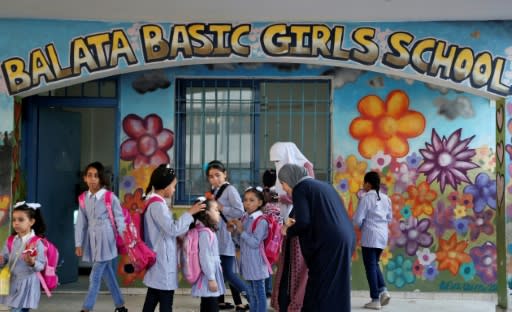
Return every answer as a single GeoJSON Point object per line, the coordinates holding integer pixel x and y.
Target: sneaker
{"type": "Point", "coordinates": [121, 309]}
{"type": "Point", "coordinates": [374, 305]}
{"type": "Point", "coordinates": [384, 298]}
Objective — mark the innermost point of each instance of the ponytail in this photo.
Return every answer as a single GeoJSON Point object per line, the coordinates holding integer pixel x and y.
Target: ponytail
{"type": "Point", "coordinates": [373, 179]}
{"type": "Point", "coordinates": [148, 189]}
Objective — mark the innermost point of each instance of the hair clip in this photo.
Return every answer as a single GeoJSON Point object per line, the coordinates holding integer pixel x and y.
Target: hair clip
{"type": "Point", "coordinates": [18, 204]}
{"type": "Point", "coordinates": [257, 188]}
{"type": "Point", "coordinates": [168, 166]}
{"type": "Point", "coordinates": [34, 206]}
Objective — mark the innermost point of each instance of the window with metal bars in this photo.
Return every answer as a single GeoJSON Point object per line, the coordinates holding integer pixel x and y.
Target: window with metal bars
{"type": "Point", "coordinates": [237, 121]}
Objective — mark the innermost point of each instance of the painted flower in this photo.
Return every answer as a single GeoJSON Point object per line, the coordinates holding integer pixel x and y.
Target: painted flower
{"type": "Point", "coordinates": [450, 254]}
{"type": "Point", "coordinates": [459, 211]}
{"type": "Point", "coordinates": [5, 201]}
{"type": "Point", "coordinates": [343, 185]}
{"type": "Point", "coordinates": [414, 234]}
{"type": "Point", "coordinates": [399, 272]}
{"type": "Point", "coordinates": [466, 200]}
{"type": "Point", "coordinates": [354, 173]}
{"type": "Point", "coordinates": [421, 198]}
{"type": "Point", "coordinates": [483, 192]}
{"type": "Point", "coordinates": [394, 232]}
{"type": "Point", "coordinates": [425, 256]}
{"type": "Point", "coordinates": [148, 140]}
{"type": "Point", "coordinates": [406, 212]}
{"type": "Point", "coordinates": [430, 272]}
{"type": "Point", "coordinates": [417, 268]}
{"type": "Point", "coordinates": [385, 256]}
{"type": "Point", "coordinates": [447, 160]}
{"type": "Point", "coordinates": [413, 160]}
{"type": "Point", "coordinates": [485, 259]}
{"type": "Point", "coordinates": [386, 126]}
{"type": "Point", "coordinates": [397, 202]}
{"type": "Point", "coordinates": [453, 197]}
{"type": "Point", "coordinates": [380, 160]}
{"type": "Point", "coordinates": [443, 218]}
{"type": "Point", "coordinates": [404, 177]}
{"type": "Point", "coordinates": [387, 180]}
{"type": "Point", "coordinates": [467, 271]}
{"type": "Point", "coordinates": [128, 183]}
{"type": "Point", "coordinates": [142, 175]}
{"type": "Point", "coordinates": [134, 202]}
{"type": "Point", "coordinates": [481, 223]}
{"type": "Point", "coordinates": [339, 164]}
{"type": "Point", "coordinates": [461, 225]}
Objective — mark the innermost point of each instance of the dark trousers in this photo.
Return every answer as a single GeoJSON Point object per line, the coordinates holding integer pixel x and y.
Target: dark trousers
{"type": "Point", "coordinates": [157, 296]}
{"type": "Point", "coordinates": [209, 304]}
{"type": "Point", "coordinates": [236, 285]}
{"type": "Point", "coordinates": [371, 258]}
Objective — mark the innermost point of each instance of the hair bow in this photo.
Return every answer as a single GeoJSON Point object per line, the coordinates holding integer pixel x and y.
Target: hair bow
{"type": "Point", "coordinates": [257, 188]}
{"type": "Point", "coordinates": [30, 205]}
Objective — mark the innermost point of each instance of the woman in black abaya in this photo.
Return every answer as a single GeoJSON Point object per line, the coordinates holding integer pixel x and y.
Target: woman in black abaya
{"type": "Point", "coordinates": [326, 237]}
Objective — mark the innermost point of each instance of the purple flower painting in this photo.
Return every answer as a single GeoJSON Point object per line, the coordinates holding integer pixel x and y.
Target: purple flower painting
{"type": "Point", "coordinates": [483, 191]}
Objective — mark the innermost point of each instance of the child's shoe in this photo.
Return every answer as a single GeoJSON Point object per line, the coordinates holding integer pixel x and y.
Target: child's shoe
{"type": "Point", "coordinates": [121, 309]}
{"type": "Point", "coordinates": [384, 298]}
{"type": "Point", "coordinates": [374, 305]}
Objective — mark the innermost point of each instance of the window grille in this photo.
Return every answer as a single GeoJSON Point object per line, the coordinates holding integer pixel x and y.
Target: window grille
{"type": "Point", "coordinates": [237, 121]}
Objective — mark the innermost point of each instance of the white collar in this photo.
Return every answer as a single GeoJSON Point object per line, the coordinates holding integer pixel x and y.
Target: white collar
{"type": "Point", "coordinates": [98, 194]}
{"type": "Point", "coordinates": [256, 214]}
{"type": "Point", "coordinates": [26, 237]}
{"type": "Point", "coordinates": [156, 195]}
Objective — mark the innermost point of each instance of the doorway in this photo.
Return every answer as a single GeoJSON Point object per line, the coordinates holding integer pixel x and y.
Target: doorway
{"type": "Point", "coordinates": [61, 136]}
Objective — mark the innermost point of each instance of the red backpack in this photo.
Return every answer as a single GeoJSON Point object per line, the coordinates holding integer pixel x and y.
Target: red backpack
{"type": "Point", "coordinates": [131, 243]}
{"type": "Point", "coordinates": [48, 276]}
{"type": "Point", "coordinates": [271, 244]}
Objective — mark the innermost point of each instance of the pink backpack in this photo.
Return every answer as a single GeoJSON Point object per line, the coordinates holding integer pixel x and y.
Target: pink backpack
{"type": "Point", "coordinates": [131, 243]}
{"type": "Point", "coordinates": [272, 244]}
{"type": "Point", "coordinates": [48, 276]}
{"type": "Point", "coordinates": [190, 266]}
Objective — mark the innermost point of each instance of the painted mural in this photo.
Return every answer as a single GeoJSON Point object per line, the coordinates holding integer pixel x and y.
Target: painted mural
{"type": "Point", "coordinates": [437, 168]}
{"type": "Point", "coordinates": [434, 147]}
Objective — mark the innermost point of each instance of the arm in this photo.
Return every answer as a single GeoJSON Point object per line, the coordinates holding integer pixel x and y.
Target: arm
{"type": "Point", "coordinates": [360, 215]}
{"type": "Point", "coordinates": [80, 227]}
{"type": "Point", "coordinates": [234, 209]}
{"type": "Point", "coordinates": [5, 255]}
{"type": "Point", "coordinates": [260, 233]}
{"type": "Point", "coordinates": [167, 226]}
{"type": "Point", "coordinates": [206, 255]}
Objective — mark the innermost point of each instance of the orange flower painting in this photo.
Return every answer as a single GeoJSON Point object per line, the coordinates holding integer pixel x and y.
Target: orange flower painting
{"type": "Point", "coordinates": [451, 255]}
{"type": "Point", "coordinates": [386, 126]}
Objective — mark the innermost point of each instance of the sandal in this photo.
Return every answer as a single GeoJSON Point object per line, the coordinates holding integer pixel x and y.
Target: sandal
{"type": "Point", "coordinates": [225, 306]}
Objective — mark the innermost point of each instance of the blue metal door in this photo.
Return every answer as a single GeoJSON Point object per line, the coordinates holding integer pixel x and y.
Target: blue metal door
{"type": "Point", "coordinates": [58, 153]}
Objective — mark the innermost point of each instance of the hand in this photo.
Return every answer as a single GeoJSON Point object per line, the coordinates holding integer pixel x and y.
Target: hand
{"type": "Point", "coordinates": [235, 226]}
{"type": "Point", "coordinates": [289, 222]}
{"type": "Point", "coordinates": [212, 286]}
{"type": "Point", "coordinates": [197, 207]}
{"type": "Point", "coordinates": [220, 207]}
{"type": "Point", "coordinates": [78, 251]}
{"type": "Point", "coordinates": [28, 259]}
{"type": "Point", "coordinates": [2, 259]}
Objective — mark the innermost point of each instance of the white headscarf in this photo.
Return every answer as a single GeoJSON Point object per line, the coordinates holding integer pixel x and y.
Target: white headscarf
{"type": "Point", "coordinates": [282, 153]}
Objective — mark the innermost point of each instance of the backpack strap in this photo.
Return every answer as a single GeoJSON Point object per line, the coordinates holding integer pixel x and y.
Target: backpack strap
{"type": "Point", "coordinates": [108, 204]}
{"type": "Point", "coordinates": [10, 241]}
{"type": "Point", "coordinates": [81, 200]}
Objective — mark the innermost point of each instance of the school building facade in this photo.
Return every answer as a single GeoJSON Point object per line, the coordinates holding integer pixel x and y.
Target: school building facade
{"type": "Point", "coordinates": [427, 104]}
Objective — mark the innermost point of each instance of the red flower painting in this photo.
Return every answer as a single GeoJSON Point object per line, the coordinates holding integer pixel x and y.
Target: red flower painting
{"type": "Point", "coordinates": [148, 141]}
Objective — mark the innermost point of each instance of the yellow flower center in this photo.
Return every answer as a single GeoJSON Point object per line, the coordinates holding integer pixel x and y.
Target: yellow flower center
{"type": "Point", "coordinates": [387, 127]}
